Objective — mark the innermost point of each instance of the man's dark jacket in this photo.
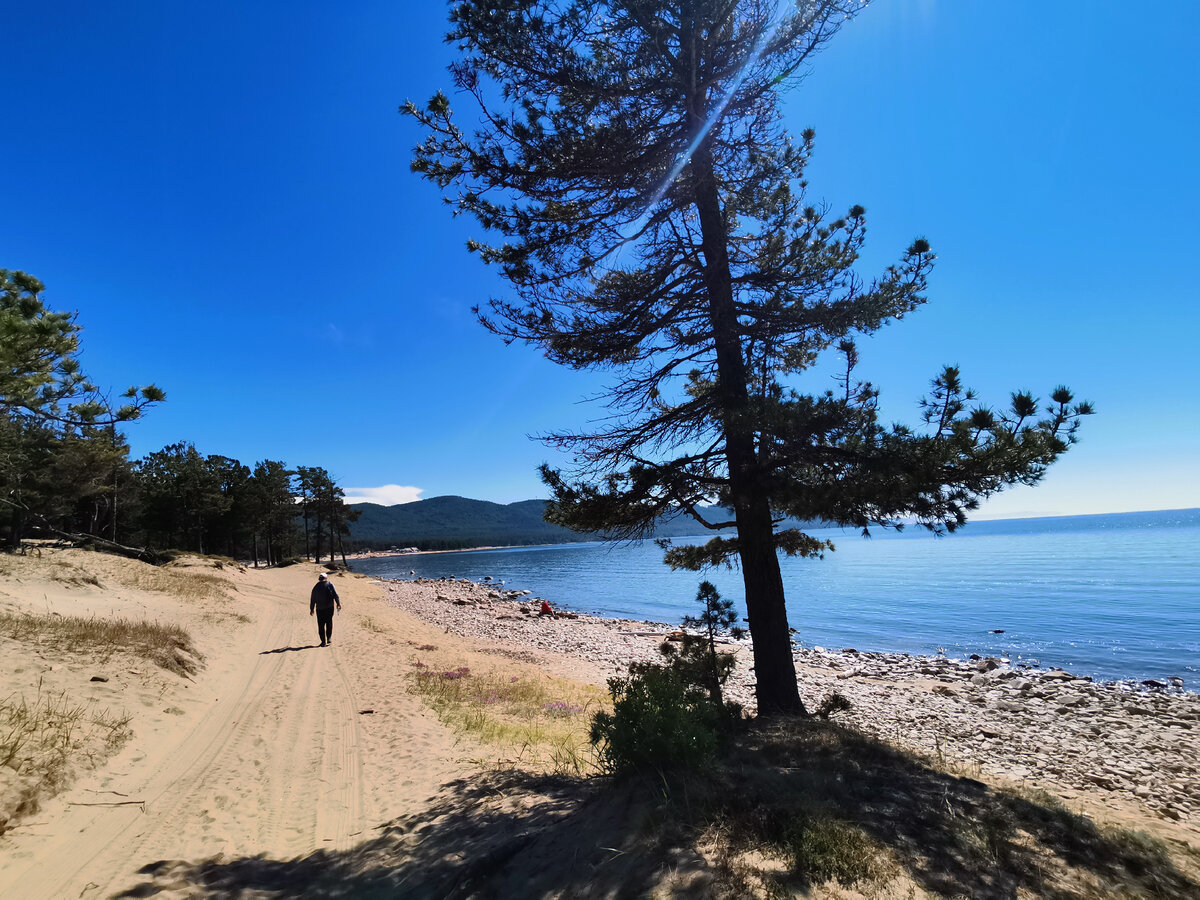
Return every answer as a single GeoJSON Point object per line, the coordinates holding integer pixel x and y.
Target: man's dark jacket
{"type": "Point", "coordinates": [324, 596]}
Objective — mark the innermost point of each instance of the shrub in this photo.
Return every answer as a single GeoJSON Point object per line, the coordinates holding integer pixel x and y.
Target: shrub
{"type": "Point", "coordinates": [672, 715]}
{"type": "Point", "coordinates": [832, 704]}
{"type": "Point", "coordinates": [823, 849]}
{"type": "Point", "coordinates": [659, 720]}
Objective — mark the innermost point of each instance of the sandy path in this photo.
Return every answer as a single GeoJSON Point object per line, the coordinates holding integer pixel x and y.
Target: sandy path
{"type": "Point", "coordinates": [271, 763]}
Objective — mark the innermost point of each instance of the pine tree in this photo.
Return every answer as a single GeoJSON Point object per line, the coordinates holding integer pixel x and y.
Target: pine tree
{"type": "Point", "coordinates": [653, 221]}
{"type": "Point", "coordinates": [40, 376]}
{"type": "Point", "coordinates": [697, 656]}
{"type": "Point", "coordinates": [54, 421]}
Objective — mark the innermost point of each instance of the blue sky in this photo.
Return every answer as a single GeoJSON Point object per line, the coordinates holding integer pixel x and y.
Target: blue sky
{"type": "Point", "coordinates": [222, 192]}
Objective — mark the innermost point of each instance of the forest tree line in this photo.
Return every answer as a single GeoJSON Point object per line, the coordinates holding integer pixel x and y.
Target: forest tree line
{"type": "Point", "coordinates": [66, 471]}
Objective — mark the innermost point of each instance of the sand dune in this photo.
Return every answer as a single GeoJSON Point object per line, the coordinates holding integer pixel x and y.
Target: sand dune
{"type": "Point", "coordinates": [267, 752]}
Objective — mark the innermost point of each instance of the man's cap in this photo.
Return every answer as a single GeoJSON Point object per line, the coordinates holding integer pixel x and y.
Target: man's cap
{"type": "Point", "coordinates": [321, 577]}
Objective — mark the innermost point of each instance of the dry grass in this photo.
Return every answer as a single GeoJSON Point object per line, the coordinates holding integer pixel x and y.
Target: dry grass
{"type": "Point", "coordinates": [369, 624]}
{"type": "Point", "coordinates": [44, 742]}
{"type": "Point", "coordinates": [60, 571]}
{"type": "Point", "coordinates": [168, 646]}
{"type": "Point", "coordinates": [183, 583]}
{"type": "Point", "coordinates": [543, 720]}
{"type": "Point", "coordinates": [186, 578]}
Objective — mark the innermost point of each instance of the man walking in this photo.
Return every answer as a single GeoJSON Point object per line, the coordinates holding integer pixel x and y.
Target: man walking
{"type": "Point", "coordinates": [322, 602]}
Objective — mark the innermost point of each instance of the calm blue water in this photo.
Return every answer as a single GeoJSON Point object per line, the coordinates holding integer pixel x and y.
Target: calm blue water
{"type": "Point", "coordinates": [1112, 596]}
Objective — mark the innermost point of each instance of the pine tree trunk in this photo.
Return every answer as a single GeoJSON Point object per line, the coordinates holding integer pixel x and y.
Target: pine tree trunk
{"type": "Point", "coordinates": [775, 686]}
{"type": "Point", "coordinates": [774, 669]}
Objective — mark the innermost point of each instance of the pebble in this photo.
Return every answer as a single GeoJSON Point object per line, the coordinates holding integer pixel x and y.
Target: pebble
{"type": "Point", "coordinates": [1127, 740]}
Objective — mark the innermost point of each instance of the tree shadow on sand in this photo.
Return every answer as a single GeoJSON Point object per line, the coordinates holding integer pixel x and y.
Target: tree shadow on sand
{"type": "Point", "coordinates": [506, 834]}
{"type": "Point", "coordinates": [501, 834]}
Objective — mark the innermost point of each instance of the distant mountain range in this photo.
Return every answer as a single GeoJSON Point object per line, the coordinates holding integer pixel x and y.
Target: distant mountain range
{"type": "Point", "coordinates": [448, 523]}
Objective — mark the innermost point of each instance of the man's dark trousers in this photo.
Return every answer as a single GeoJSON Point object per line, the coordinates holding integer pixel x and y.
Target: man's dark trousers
{"type": "Point", "coordinates": [325, 624]}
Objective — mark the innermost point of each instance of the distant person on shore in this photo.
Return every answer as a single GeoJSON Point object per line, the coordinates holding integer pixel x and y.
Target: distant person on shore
{"type": "Point", "coordinates": [545, 610]}
{"type": "Point", "coordinates": [322, 601]}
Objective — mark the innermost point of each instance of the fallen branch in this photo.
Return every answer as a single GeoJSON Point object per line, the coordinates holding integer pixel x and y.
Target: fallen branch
{"type": "Point", "coordinates": [145, 554]}
{"type": "Point", "coordinates": [140, 803]}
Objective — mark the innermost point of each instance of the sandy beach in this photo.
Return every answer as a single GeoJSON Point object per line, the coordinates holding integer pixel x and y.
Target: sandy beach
{"type": "Point", "coordinates": [265, 751]}
{"type": "Point", "coordinates": [278, 768]}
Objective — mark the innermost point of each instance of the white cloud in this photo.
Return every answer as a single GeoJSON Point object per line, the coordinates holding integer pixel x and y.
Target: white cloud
{"type": "Point", "coordinates": [384, 495]}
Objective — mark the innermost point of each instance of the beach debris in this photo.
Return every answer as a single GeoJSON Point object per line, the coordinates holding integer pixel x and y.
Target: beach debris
{"type": "Point", "coordinates": [99, 678]}
{"type": "Point", "coordinates": [366, 712]}
{"type": "Point", "coordinates": [138, 803]}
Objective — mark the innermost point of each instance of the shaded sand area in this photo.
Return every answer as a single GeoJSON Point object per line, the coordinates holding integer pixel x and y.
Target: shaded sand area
{"type": "Point", "coordinates": [438, 749]}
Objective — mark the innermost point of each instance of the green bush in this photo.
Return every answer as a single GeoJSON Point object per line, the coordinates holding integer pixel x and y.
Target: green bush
{"type": "Point", "coordinates": [673, 715]}
{"type": "Point", "coordinates": [658, 721]}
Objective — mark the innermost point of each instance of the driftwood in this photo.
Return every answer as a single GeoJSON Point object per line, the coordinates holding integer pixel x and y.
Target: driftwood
{"type": "Point", "coordinates": [145, 554]}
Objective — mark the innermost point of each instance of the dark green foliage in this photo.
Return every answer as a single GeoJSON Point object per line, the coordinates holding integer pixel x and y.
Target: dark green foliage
{"type": "Point", "coordinates": [323, 508]}
{"type": "Point", "coordinates": [673, 715]}
{"type": "Point", "coordinates": [652, 217]}
{"type": "Point", "coordinates": [696, 658]}
{"type": "Point", "coordinates": [40, 375]}
{"type": "Point", "coordinates": [64, 466]}
{"type": "Point", "coordinates": [206, 503]}
{"type": "Point", "coordinates": [182, 496]}
{"type": "Point", "coordinates": [833, 704]}
{"type": "Point", "coordinates": [659, 720]}
{"type": "Point", "coordinates": [63, 463]}
{"type": "Point", "coordinates": [271, 509]}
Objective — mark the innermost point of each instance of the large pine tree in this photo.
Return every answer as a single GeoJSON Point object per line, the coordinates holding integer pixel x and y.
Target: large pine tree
{"type": "Point", "coordinates": [652, 220]}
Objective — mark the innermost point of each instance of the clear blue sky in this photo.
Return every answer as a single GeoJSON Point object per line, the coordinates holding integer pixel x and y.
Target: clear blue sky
{"type": "Point", "coordinates": [222, 192]}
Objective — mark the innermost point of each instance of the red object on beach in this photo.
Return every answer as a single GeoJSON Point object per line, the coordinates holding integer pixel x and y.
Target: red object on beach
{"type": "Point", "coordinates": [545, 610]}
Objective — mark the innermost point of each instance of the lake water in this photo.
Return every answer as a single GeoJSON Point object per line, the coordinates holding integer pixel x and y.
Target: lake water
{"type": "Point", "coordinates": [1111, 596]}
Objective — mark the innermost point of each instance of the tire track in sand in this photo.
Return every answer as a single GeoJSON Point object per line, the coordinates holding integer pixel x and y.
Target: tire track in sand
{"type": "Point", "coordinates": [342, 796]}
{"type": "Point", "coordinates": [275, 770]}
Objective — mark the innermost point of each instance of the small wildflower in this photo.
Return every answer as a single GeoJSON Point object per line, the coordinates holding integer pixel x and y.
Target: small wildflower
{"type": "Point", "coordinates": [419, 664]}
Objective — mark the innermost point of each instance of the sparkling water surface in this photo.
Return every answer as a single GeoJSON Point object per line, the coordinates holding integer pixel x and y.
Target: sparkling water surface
{"type": "Point", "coordinates": [1114, 596]}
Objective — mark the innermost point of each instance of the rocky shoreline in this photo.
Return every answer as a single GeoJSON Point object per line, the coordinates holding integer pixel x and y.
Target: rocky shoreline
{"type": "Point", "coordinates": [1133, 746]}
